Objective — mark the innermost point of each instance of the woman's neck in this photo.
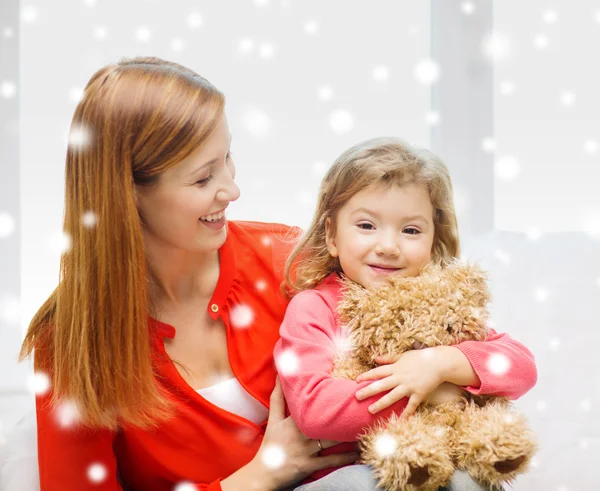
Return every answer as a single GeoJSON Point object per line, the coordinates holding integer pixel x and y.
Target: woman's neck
{"type": "Point", "coordinates": [179, 275]}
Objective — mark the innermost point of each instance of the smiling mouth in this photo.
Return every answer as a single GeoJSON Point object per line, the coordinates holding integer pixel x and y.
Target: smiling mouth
{"type": "Point", "coordinates": [383, 269]}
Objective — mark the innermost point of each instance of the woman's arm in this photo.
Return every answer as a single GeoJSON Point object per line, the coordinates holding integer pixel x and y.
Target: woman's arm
{"type": "Point", "coordinates": [72, 457]}
{"type": "Point", "coordinates": [322, 406]}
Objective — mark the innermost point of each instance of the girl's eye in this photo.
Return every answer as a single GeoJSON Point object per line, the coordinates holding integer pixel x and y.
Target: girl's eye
{"type": "Point", "coordinates": [365, 226]}
{"type": "Point", "coordinates": [411, 231]}
{"type": "Point", "coordinates": [204, 182]}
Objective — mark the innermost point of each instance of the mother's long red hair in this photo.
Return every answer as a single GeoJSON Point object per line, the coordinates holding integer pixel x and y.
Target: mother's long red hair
{"type": "Point", "coordinates": [136, 119]}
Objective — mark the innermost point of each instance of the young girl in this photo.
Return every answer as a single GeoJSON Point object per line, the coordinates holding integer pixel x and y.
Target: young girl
{"type": "Point", "coordinates": [384, 209]}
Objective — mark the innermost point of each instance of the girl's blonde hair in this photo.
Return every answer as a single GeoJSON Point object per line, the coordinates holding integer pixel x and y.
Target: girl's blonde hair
{"type": "Point", "coordinates": [139, 118]}
{"type": "Point", "coordinates": [380, 161]}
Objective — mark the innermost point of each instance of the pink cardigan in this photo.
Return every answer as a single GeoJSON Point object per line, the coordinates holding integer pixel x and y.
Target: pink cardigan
{"type": "Point", "coordinates": [326, 408]}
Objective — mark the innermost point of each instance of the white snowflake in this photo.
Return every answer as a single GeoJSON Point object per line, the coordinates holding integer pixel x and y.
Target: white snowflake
{"type": "Point", "coordinates": [385, 445]}
{"type": "Point", "coordinates": [502, 256]}
{"type": "Point", "coordinates": [507, 168]}
{"type": "Point", "coordinates": [143, 34]}
{"type": "Point", "coordinates": [319, 168]}
{"type": "Point", "coordinates": [341, 121]}
{"type": "Point", "coordinates": [597, 16]}
{"type": "Point", "coordinates": [8, 32]}
{"type": "Point", "coordinates": [467, 7]}
{"type": "Point", "coordinates": [554, 344]}
{"type": "Point", "coordinates": [488, 144]}
{"type": "Point", "coordinates": [496, 46]}
{"type": "Point", "coordinates": [194, 20]}
{"type": "Point", "coordinates": [498, 364]}
{"type": "Point", "coordinates": [79, 136]}
{"type": "Point", "coordinates": [90, 3]}
{"type": "Point", "coordinates": [89, 219]}
{"type": "Point", "coordinates": [541, 294]}
{"type": "Point", "coordinates": [7, 225]}
{"type": "Point", "coordinates": [100, 33]}
{"type": "Point", "coordinates": [534, 233]}
{"type": "Point", "coordinates": [304, 197]}
{"type": "Point", "coordinates": [433, 118]}
{"type": "Point", "coordinates": [261, 285]}
{"type": "Point", "coordinates": [38, 383]}
{"type": "Point", "coordinates": [29, 14]}
{"type": "Point", "coordinates": [413, 30]}
{"type": "Point", "coordinates": [311, 27]}
{"type": "Point", "coordinates": [381, 73]}
{"type": "Point", "coordinates": [241, 316]}
{"type": "Point", "coordinates": [185, 486]}
{"type": "Point", "coordinates": [246, 45]}
{"type": "Point", "coordinates": [9, 89]}
{"type": "Point", "coordinates": [584, 444]}
{"type": "Point", "coordinates": [568, 98]}
{"type": "Point", "coordinates": [67, 414]}
{"type": "Point", "coordinates": [266, 50]}
{"type": "Point", "coordinates": [586, 405]}
{"type": "Point", "coordinates": [75, 94]}
{"type": "Point", "coordinates": [97, 473]}
{"type": "Point", "coordinates": [507, 87]}
{"type": "Point", "coordinates": [509, 418]}
{"type": "Point", "coordinates": [427, 72]}
{"type": "Point", "coordinates": [273, 456]}
{"type": "Point", "coordinates": [590, 146]}
{"type": "Point", "coordinates": [535, 462]}
{"type": "Point", "coordinates": [541, 41]}
{"type": "Point", "coordinates": [325, 93]}
{"type": "Point", "coordinates": [177, 44]}
{"type": "Point", "coordinates": [60, 243]}
{"type": "Point", "coordinates": [261, 3]}
{"type": "Point", "coordinates": [10, 309]}
{"type": "Point", "coordinates": [540, 406]}
{"type": "Point", "coordinates": [266, 240]}
{"type": "Point", "coordinates": [343, 342]}
{"type": "Point", "coordinates": [256, 122]}
{"type": "Point", "coordinates": [287, 362]}
{"type": "Point", "coordinates": [550, 16]}
{"type": "Point", "coordinates": [591, 224]}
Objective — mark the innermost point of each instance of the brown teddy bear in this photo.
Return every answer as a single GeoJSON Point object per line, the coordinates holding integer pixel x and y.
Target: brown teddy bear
{"type": "Point", "coordinates": [483, 435]}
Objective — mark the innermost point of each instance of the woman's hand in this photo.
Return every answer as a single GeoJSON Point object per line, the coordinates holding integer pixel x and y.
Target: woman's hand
{"type": "Point", "coordinates": [299, 453]}
{"type": "Point", "coordinates": [414, 374]}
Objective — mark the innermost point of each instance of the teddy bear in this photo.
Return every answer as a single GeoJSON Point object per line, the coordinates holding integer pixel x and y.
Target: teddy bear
{"type": "Point", "coordinates": [483, 435]}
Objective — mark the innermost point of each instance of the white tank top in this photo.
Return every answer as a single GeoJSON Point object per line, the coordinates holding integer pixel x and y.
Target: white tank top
{"type": "Point", "coordinates": [231, 396]}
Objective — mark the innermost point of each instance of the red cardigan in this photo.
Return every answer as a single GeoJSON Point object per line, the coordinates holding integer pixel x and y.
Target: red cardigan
{"type": "Point", "coordinates": [203, 443]}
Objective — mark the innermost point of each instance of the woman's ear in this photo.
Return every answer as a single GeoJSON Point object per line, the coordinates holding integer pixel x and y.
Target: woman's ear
{"type": "Point", "coordinates": [329, 238]}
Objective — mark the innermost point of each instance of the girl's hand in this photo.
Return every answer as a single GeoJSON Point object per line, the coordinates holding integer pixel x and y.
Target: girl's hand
{"type": "Point", "coordinates": [413, 374]}
{"type": "Point", "coordinates": [446, 392]}
{"type": "Point", "coordinates": [300, 454]}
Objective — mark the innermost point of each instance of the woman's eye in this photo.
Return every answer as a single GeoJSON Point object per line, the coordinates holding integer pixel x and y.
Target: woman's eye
{"type": "Point", "coordinates": [366, 226]}
{"type": "Point", "coordinates": [204, 182]}
{"type": "Point", "coordinates": [411, 231]}
{"type": "Point", "coordinates": [229, 155]}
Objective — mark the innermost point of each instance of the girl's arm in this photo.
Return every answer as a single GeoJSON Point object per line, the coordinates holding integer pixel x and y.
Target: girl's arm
{"type": "Point", "coordinates": [322, 407]}
{"type": "Point", "coordinates": [503, 366]}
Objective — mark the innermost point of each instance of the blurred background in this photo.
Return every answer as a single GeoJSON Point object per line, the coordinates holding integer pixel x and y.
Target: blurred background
{"type": "Point", "coordinates": [505, 92]}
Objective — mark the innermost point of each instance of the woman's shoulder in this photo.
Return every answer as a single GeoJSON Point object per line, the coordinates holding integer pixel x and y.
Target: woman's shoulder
{"type": "Point", "coordinates": [264, 231]}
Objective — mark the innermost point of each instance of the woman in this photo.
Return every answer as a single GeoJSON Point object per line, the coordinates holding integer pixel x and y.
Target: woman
{"type": "Point", "coordinates": [158, 340]}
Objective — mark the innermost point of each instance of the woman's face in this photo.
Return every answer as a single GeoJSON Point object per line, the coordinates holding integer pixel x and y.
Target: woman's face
{"type": "Point", "coordinates": [186, 208]}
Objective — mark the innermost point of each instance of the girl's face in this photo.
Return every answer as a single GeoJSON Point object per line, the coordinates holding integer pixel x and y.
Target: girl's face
{"type": "Point", "coordinates": [383, 231]}
{"type": "Point", "coordinates": [186, 208]}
